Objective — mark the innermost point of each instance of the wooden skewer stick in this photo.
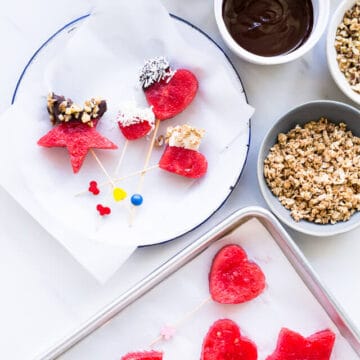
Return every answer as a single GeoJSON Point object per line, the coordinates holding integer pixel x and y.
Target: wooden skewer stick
{"type": "Point", "coordinates": [116, 180]}
{"type": "Point", "coordinates": [183, 320]}
{"type": "Point", "coordinates": [111, 181]}
{"type": "Point", "coordinates": [146, 164]}
{"type": "Point", "coordinates": [118, 166]}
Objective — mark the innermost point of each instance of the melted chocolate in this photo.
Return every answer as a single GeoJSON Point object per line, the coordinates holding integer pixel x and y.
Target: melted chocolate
{"type": "Point", "coordinates": [269, 27]}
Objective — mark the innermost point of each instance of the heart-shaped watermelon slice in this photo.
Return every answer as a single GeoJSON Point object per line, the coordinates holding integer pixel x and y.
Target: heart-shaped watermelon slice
{"type": "Point", "coordinates": [135, 131]}
{"type": "Point", "coordinates": [183, 162]}
{"type": "Point", "coordinates": [293, 346]}
{"type": "Point", "coordinates": [224, 342]}
{"type": "Point", "coordinates": [143, 355]}
{"type": "Point", "coordinates": [170, 96]}
{"type": "Point", "coordinates": [233, 278]}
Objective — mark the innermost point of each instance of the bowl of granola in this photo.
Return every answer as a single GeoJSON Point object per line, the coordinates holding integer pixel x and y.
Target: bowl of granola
{"type": "Point", "coordinates": [343, 48]}
{"type": "Point", "coordinates": [309, 168]}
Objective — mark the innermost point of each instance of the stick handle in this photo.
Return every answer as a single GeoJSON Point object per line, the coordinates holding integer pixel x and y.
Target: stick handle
{"type": "Point", "coordinates": [122, 155]}
{"type": "Point", "coordinates": [116, 180]}
{"type": "Point", "coordinates": [111, 181]}
{"type": "Point", "coordinates": [186, 317]}
{"type": "Point", "coordinates": [146, 164]}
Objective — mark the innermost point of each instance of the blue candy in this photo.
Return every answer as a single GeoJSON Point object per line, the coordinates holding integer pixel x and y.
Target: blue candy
{"type": "Point", "coordinates": [136, 199]}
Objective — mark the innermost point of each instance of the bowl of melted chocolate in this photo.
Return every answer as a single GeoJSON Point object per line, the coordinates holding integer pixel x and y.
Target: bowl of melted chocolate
{"type": "Point", "coordinates": [271, 31]}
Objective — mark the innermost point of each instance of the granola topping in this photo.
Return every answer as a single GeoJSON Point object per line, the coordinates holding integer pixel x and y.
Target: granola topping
{"type": "Point", "coordinates": [61, 109]}
{"type": "Point", "coordinates": [314, 170]}
{"type": "Point", "coordinates": [347, 45]}
{"type": "Point", "coordinates": [159, 141]}
{"type": "Point", "coordinates": [185, 136]}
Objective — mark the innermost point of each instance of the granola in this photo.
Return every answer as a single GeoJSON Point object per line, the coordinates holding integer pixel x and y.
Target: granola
{"type": "Point", "coordinates": [314, 170]}
{"type": "Point", "coordinates": [347, 45]}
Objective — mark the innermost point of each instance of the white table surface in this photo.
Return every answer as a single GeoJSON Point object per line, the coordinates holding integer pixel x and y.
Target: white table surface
{"type": "Point", "coordinates": [44, 292]}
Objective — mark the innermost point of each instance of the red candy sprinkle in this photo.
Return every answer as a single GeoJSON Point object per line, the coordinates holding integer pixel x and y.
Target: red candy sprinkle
{"type": "Point", "coordinates": [103, 210]}
{"type": "Point", "coordinates": [93, 188]}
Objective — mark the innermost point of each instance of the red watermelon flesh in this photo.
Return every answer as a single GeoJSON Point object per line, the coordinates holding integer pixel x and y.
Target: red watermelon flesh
{"type": "Point", "coordinates": [170, 98]}
{"type": "Point", "coordinates": [183, 162]}
{"type": "Point", "coordinates": [233, 279]}
{"type": "Point", "coordinates": [78, 138]}
{"type": "Point", "coordinates": [135, 131]}
{"type": "Point", "coordinates": [143, 355]}
{"type": "Point", "coordinates": [224, 342]}
{"type": "Point", "coordinates": [293, 346]}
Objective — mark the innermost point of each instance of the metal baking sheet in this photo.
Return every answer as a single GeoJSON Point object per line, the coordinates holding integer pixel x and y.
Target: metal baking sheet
{"type": "Point", "coordinates": [283, 241]}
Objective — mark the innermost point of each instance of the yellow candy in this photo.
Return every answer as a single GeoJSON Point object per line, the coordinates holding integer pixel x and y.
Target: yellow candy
{"type": "Point", "coordinates": [119, 194]}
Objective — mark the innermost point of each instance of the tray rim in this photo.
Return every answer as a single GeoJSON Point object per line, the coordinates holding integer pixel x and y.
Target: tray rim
{"type": "Point", "coordinates": [292, 252]}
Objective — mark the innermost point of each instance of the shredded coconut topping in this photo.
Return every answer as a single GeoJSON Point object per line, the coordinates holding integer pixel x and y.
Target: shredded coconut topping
{"type": "Point", "coordinates": [185, 136]}
{"type": "Point", "coordinates": [130, 114]}
{"type": "Point", "coordinates": [155, 70]}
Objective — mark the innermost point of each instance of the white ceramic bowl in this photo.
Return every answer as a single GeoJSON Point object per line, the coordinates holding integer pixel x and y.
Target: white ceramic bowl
{"type": "Point", "coordinates": [334, 111]}
{"type": "Point", "coordinates": [337, 75]}
{"type": "Point", "coordinates": [321, 15]}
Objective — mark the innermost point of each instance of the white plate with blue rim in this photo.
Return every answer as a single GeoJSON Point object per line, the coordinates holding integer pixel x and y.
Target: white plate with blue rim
{"type": "Point", "coordinates": [172, 206]}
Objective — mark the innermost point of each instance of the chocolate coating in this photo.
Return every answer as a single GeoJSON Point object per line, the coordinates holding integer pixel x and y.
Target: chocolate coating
{"type": "Point", "coordinates": [269, 27]}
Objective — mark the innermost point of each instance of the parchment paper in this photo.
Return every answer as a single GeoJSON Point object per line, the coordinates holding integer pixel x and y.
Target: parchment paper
{"type": "Point", "coordinates": [103, 58]}
{"type": "Point", "coordinates": [285, 302]}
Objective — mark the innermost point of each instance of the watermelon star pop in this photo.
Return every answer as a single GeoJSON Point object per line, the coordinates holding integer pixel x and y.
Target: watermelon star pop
{"type": "Point", "coordinates": [181, 156]}
{"type": "Point", "coordinates": [75, 128]}
{"type": "Point", "coordinates": [293, 346]}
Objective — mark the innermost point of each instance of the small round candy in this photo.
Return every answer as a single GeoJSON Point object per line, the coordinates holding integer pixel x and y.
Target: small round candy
{"type": "Point", "coordinates": [137, 199]}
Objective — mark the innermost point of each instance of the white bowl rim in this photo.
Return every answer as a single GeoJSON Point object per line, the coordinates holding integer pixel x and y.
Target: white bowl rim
{"type": "Point", "coordinates": [317, 32]}
{"type": "Point", "coordinates": [263, 186]}
{"type": "Point", "coordinates": [337, 75]}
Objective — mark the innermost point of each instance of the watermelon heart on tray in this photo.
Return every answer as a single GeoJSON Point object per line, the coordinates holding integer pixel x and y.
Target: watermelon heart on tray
{"type": "Point", "coordinates": [143, 355]}
{"type": "Point", "coordinates": [233, 278]}
{"type": "Point", "coordinates": [224, 341]}
{"type": "Point", "coordinates": [293, 346]}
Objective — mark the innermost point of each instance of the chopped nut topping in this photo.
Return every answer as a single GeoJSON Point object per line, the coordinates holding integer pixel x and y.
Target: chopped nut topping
{"type": "Point", "coordinates": [159, 141]}
{"type": "Point", "coordinates": [64, 110]}
{"type": "Point", "coordinates": [347, 45]}
{"type": "Point", "coordinates": [314, 170]}
{"type": "Point", "coordinates": [184, 136]}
